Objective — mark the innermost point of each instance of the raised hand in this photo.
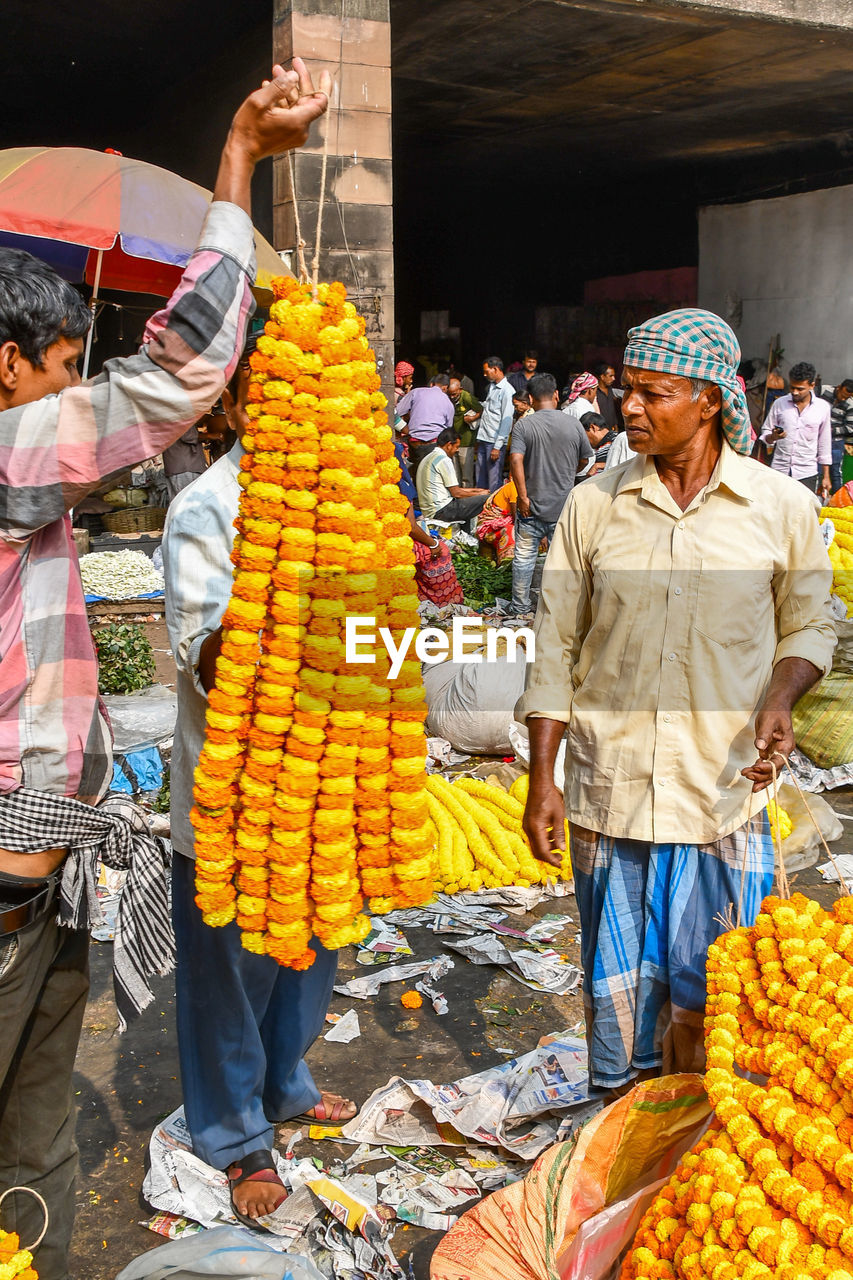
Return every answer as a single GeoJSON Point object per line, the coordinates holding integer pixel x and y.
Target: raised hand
{"type": "Point", "coordinates": [274, 119]}
{"type": "Point", "coordinates": [277, 117]}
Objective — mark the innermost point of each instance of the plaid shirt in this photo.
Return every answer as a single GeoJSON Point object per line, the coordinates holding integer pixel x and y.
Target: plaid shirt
{"type": "Point", "coordinates": [54, 736]}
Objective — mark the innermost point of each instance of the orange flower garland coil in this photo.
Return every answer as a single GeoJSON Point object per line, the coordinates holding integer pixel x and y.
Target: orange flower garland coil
{"type": "Point", "coordinates": [310, 765]}
{"type": "Point", "coordinates": [768, 1192]}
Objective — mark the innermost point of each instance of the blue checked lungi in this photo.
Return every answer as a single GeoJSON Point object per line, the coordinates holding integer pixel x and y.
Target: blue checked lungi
{"type": "Point", "coordinates": [648, 914]}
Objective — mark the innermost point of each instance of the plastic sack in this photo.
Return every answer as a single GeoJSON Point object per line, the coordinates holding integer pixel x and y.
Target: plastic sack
{"type": "Point", "coordinates": [577, 1210]}
{"type": "Point", "coordinates": [141, 719]}
{"type": "Point", "coordinates": [803, 847]}
{"type": "Point", "coordinates": [222, 1251]}
{"type": "Point", "coordinates": [823, 721]}
{"type": "Point", "coordinates": [471, 703]}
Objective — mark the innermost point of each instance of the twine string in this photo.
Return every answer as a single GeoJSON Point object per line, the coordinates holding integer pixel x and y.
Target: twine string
{"type": "Point", "coordinates": [315, 265]}
{"type": "Point", "coordinates": [30, 1191]}
{"type": "Point", "coordinates": [781, 874]}
{"type": "Point", "coordinates": [841, 885]}
{"type": "Point", "coordinates": [301, 265]}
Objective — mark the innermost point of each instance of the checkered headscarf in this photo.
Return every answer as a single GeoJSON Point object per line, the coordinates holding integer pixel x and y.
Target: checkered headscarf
{"type": "Point", "coordinates": [583, 382]}
{"type": "Point", "coordinates": [696, 344]}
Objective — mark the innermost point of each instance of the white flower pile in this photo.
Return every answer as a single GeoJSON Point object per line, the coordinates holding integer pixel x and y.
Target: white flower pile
{"type": "Point", "coordinates": [119, 575]}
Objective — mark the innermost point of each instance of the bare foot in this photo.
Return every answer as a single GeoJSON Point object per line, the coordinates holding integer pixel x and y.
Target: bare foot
{"type": "Point", "coordinates": [332, 1109]}
{"type": "Point", "coordinates": [257, 1193]}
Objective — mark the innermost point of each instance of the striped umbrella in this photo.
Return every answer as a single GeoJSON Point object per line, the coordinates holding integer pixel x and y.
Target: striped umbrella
{"type": "Point", "coordinates": [109, 221]}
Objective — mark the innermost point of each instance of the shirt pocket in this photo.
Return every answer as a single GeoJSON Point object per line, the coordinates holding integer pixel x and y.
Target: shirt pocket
{"type": "Point", "coordinates": [731, 604]}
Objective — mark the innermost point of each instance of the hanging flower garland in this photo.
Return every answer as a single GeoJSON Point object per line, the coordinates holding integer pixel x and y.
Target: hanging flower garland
{"type": "Point", "coordinates": [310, 788]}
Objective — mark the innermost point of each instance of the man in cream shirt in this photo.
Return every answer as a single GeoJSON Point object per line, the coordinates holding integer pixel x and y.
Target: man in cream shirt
{"type": "Point", "coordinates": [684, 610]}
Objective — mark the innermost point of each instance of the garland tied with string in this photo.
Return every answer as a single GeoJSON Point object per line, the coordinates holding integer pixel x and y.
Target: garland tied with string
{"type": "Point", "coordinates": [309, 789]}
{"type": "Point", "coordinates": [768, 1192]}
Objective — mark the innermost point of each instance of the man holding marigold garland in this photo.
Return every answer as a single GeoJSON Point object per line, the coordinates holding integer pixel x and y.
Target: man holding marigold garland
{"type": "Point", "coordinates": [59, 441]}
{"type": "Point", "coordinates": [244, 1021]}
{"type": "Point", "coordinates": [684, 609]}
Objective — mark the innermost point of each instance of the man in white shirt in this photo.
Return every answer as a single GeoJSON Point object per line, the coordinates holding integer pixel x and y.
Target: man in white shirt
{"type": "Point", "coordinates": [244, 1022]}
{"type": "Point", "coordinates": [495, 424]}
{"type": "Point", "coordinates": [620, 451]}
{"type": "Point", "coordinates": [440, 496]}
{"type": "Point", "coordinates": [799, 430]}
{"type": "Point", "coordinates": [583, 396]}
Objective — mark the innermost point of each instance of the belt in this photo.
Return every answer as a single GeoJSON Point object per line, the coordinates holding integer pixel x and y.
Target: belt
{"type": "Point", "coordinates": [15, 918]}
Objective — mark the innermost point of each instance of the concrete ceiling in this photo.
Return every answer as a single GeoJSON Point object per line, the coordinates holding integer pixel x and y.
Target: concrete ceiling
{"type": "Point", "coordinates": [594, 83]}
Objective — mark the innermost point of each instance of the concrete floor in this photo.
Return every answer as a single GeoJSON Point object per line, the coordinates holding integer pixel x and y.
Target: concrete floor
{"type": "Point", "coordinates": [126, 1084]}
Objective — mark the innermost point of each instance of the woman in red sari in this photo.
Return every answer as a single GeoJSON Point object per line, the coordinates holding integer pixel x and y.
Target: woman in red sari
{"type": "Point", "coordinates": [496, 522]}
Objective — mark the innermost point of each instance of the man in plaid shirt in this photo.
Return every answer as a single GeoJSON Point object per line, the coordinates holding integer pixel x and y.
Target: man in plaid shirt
{"type": "Point", "coordinates": [59, 440]}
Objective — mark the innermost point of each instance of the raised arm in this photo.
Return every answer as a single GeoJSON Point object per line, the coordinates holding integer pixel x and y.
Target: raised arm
{"type": "Point", "coordinates": [55, 450]}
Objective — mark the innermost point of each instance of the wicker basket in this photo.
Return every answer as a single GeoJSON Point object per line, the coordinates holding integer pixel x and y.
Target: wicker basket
{"type": "Point", "coordinates": [135, 520]}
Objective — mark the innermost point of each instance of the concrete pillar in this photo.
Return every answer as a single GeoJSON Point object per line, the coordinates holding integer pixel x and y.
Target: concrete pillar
{"type": "Point", "coordinates": [352, 40]}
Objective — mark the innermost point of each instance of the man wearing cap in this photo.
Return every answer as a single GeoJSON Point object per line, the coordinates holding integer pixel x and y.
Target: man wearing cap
{"type": "Point", "coordinates": [683, 611]}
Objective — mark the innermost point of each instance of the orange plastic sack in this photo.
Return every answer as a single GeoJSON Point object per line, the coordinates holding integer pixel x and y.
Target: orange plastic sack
{"type": "Point", "coordinates": [577, 1210]}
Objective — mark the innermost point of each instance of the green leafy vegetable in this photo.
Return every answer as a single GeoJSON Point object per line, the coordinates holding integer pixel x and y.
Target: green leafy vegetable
{"type": "Point", "coordinates": [481, 580]}
{"type": "Point", "coordinates": [125, 658]}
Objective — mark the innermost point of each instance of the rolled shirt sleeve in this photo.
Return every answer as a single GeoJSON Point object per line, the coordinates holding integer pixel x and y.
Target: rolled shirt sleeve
{"type": "Point", "coordinates": [57, 450]}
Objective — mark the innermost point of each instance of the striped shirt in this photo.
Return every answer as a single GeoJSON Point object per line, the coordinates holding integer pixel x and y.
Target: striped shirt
{"type": "Point", "coordinates": [54, 735]}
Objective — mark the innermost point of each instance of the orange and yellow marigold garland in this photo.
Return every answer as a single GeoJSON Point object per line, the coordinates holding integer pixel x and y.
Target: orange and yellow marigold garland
{"type": "Point", "coordinates": [768, 1193]}
{"type": "Point", "coordinates": [310, 786]}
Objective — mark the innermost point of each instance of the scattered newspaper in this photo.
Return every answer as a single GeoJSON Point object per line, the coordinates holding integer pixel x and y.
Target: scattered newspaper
{"type": "Point", "coordinates": [363, 987]}
{"type": "Point", "coordinates": [179, 1183]}
{"type": "Point", "coordinates": [540, 970]}
{"type": "Point", "coordinates": [518, 1105]}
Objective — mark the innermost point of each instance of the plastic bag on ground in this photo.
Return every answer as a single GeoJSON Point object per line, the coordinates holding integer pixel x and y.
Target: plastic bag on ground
{"type": "Point", "coordinates": [823, 721]}
{"type": "Point", "coordinates": [141, 719]}
{"type": "Point", "coordinates": [577, 1209]}
{"type": "Point", "coordinates": [221, 1252]}
{"type": "Point", "coordinates": [471, 703]}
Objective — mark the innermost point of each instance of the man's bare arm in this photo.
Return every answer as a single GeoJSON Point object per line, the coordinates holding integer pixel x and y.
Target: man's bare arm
{"type": "Point", "coordinates": [544, 813]}
{"type": "Point", "coordinates": [516, 470]}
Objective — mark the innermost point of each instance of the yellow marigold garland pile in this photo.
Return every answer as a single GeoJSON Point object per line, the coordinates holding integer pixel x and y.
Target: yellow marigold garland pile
{"type": "Point", "coordinates": [480, 840]}
{"type": "Point", "coordinates": [841, 553]}
{"type": "Point", "coordinates": [769, 1190]}
{"type": "Point", "coordinates": [310, 787]}
{"type": "Point", "coordinates": [15, 1262]}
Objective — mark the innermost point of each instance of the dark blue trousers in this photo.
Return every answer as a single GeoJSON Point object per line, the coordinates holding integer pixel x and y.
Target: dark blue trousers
{"type": "Point", "coordinates": [244, 1027]}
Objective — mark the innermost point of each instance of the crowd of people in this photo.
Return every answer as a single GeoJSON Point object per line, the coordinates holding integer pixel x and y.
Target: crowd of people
{"type": "Point", "coordinates": [503, 465]}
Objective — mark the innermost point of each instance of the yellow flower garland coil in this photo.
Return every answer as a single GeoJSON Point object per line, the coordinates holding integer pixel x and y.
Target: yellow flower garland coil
{"type": "Point", "coordinates": [841, 553]}
{"type": "Point", "coordinates": [480, 840]}
{"type": "Point", "coordinates": [15, 1262]}
{"type": "Point", "coordinates": [768, 1192]}
{"type": "Point", "coordinates": [286, 782]}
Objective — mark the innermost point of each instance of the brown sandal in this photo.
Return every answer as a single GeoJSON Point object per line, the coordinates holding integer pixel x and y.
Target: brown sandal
{"type": "Point", "coordinates": [333, 1115]}
{"type": "Point", "coordinates": [257, 1166]}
